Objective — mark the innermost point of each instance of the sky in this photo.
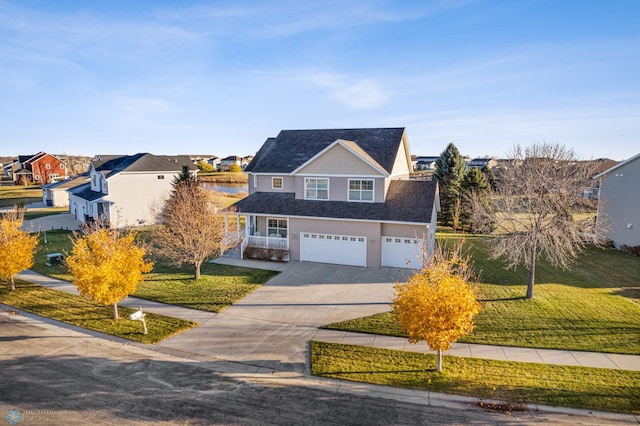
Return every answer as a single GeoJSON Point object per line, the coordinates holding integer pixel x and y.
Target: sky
{"type": "Point", "coordinates": [220, 77]}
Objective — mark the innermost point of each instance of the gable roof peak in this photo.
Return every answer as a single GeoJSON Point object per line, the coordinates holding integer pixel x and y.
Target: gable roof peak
{"type": "Point", "coordinates": [293, 148]}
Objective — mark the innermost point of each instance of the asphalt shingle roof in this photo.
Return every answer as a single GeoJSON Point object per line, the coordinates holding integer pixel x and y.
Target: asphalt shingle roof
{"type": "Point", "coordinates": [84, 191]}
{"type": "Point", "coordinates": [145, 162]}
{"type": "Point", "coordinates": [292, 148]}
{"type": "Point", "coordinates": [407, 201]}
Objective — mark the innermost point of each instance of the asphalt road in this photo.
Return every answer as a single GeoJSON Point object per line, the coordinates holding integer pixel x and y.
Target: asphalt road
{"type": "Point", "coordinates": [55, 375]}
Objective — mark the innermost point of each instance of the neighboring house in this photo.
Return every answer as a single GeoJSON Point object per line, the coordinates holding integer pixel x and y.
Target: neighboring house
{"type": "Point", "coordinates": [340, 196]}
{"type": "Point", "coordinates": [41, 168]}
{"type": "Point", "coordinates": [126, 190]}
{"type": "Point", "coordinates": [424, 163]}
{"type": "Point", "coordinates": [246, 161]}
{"type": "Point", "coordinates": [619, 203]}
{"type": "Point", "coordinates": [479, 163]}
{"type": "Point", "coordinates": [228, 162]}
{"type": "Point", "coordinates": [56, 195]}
{"type": "Point", "coordinates": [214, 161]}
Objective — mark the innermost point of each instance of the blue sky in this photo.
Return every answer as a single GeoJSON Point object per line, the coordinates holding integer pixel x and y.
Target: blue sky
{"type": "Point", "coordinates": [219, 77]}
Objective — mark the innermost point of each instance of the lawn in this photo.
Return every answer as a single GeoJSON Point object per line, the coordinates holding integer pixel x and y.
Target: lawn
{"type": "Point", "coordinates": [44, 211]}
{"type": "Point", "coordinates": [514, 382]}
{"type": "Point", "coordinates": [218, 287]}
{"type": "Point", "coordinates": [83, 312]}
{"type": "Point", "coordinates": [592, 307]}
{"type": "Point", "coordinates": [14, 194]}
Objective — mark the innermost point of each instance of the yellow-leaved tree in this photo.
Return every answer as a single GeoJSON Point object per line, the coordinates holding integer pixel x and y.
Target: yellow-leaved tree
{"type": "Point", "coordinates": [437, 304]}
{"type": "Point", "coordinates": [16, 247]}
{"type": "Point", "coordinates": [108, 265]}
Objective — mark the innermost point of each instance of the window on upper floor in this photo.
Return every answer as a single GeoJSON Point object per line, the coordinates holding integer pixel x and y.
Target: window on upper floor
{"type": "Point", "coordinates": [277, 227]}
{"type": "Point", "coordinates": [47, 166]}
{"type": "Point", "coordinates": [62, 166]}
{"type": "Point", "coordinates": [276, 183]}
{"type": "Point", "coordinates": [360, 189]}
{"type": "Point", "coordinates": [316, 189]}
{"type": "Point", "coordinates": [93, 180]}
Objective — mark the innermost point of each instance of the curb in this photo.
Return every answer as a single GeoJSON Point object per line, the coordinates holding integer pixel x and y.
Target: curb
{"type": "Point", "coordinates": [261, 374]}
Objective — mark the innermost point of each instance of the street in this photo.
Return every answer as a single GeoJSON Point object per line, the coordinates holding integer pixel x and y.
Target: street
{"type": "Point", "coordinates": [55, 375]}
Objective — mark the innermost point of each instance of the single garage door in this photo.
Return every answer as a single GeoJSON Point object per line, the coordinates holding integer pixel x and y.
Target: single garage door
{"type": "Point", "coordinates": [331, 248]}
{"type": "Point", "coordinates": [400, 252]}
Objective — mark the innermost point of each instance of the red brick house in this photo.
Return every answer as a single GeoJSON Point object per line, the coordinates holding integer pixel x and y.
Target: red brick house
{"type": "Point", "coordinates": [41, 168]}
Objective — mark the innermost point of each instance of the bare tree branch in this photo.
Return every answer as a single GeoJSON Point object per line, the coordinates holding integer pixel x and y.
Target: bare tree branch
{"type": "Point", "coordinates": [531, 212]}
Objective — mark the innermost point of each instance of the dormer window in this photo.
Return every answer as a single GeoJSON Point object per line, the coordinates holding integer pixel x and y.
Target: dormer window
{"type": "Point", "coordinates": [361, 190]}
{"type": "Point", "coordinates": [316, 189]}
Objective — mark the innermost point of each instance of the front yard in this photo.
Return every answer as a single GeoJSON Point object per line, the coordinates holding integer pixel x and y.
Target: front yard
{"type": "Point", "coordinates": [592, 307]}
{"type": "Point", "coordinates": [517, 383]}
{"type": "Point", "coordinates": [219, 286]}
{"type": "Point", "coordinates": [83, 312]}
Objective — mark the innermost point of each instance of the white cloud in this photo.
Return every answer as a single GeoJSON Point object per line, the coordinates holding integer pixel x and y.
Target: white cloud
{"type": "Point", "coordinates": [354, 93]}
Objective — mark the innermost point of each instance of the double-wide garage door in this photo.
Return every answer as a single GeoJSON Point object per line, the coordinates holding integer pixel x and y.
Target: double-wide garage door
{"type": "Point", "coordinates": [400, 252]}
{"type": "Point", "coordinates": [331, 248]}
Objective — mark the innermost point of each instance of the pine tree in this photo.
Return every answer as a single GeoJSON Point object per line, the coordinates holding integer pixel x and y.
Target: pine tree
{"type": "Point", "coordinates": [450, 172]}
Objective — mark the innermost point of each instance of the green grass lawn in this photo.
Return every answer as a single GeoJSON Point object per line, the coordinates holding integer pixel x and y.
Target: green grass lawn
{"type": "Point", "coordinates": [514, 382]}
{"type": "Point", "coordinates": [83, 312]}
{"type": "Point", "coordinates": [218, 287]}
{"type": "Point", "coordinates": [592, 307]}
{"type": "Point", "coordinates": [45, 211]}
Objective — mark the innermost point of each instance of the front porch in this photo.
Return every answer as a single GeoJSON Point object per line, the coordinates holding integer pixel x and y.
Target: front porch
{"type": "Point", "coordinates": [265, 238]}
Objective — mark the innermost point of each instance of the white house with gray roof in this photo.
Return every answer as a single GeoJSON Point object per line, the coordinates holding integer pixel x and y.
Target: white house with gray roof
{"type": "Point", "coordinates": [126, 190]}
{"type": "Point", "coordinates": [619, 203]}
{"type": "Point", "coordinates": [340, 196]}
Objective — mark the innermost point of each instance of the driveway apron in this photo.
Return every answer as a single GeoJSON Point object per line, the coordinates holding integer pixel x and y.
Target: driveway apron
{"type": "Point", "coordinates": [272, 326]}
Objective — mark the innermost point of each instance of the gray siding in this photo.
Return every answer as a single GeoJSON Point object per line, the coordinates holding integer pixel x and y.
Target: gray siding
{"type": "Point", "coordinates": [619, 205]}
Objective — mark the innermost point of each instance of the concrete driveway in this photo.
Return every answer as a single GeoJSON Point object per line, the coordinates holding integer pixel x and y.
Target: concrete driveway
{"type": "Point", "coordinates": [272, 326]}
{"type": "Point", "coordinates": [56, 221]}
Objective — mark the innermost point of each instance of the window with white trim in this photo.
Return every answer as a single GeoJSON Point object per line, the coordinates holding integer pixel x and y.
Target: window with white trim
{"type": "Point", "coordinates": [47, 166]}
{"type": "Point", "coordinates": [276, 183]}
{"type": "Point", "coordinates": [277, 227]}
{"type": "Point", "coordinates": [62, 166]}
{"type": "Point", "coordinates": [316, 189]}
{"type": "Point", "coordinates": [360, 189]}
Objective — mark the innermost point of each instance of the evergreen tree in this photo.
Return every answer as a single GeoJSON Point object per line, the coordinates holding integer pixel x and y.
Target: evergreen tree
{"type": "Point", "coordinates": [184, 176]}
{"type": "Point", "coordinates": [489, 176]}
{"type": "Point", "coordinates": [450, 172]}
{"type": "Point", "coordinates": [474, 182]}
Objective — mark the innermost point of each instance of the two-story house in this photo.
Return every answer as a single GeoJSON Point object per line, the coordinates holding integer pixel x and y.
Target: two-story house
{"type": "Point", "coordinates": [41, 168]}
{"type": "Point", "coordinates": [340, 196]}
{"type": "Point", "coordinates": [126, 190]}
{"type": "Point", "coordinates": [619, 203]}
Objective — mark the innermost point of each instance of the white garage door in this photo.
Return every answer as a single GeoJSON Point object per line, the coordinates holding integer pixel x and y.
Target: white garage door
{"type": "Point", "coordinates": [400, 252]}
{"type": "Point", "coordinates": [330, 248]}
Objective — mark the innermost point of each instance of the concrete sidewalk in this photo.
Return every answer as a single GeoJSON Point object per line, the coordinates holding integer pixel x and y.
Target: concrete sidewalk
{"type": "Point", "coordinates": [200, 317]}
{"type": "Point", "coordinates": [275, 338]}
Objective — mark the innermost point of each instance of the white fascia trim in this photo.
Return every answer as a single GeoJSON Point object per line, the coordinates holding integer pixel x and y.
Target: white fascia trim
{"type": "Point", "coordinates": [345, 146]}
{"type": "Point", "coordinates": [352, 176]}
{"type": "Point", "coordinates": [269, 174]}
{"type": "Point", "coordinates": [620, 164]}
{"type": "Point", "coordinates": [395, 222]}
